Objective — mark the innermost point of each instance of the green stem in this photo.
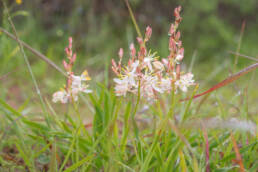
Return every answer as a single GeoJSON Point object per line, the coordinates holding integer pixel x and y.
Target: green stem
{"type": "Point", "coordinates": [133, 19]}
{"type": "Point", "coordinates": [172, 106]}
{"type": "Point", "coordinates": [189, 104]}
{"type": "Point", "coordinates": [136, 131]}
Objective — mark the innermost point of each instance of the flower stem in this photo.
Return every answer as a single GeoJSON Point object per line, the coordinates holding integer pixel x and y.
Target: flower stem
{"type": "Point", "coordinates": [136, 131]}
{"type": "Point", "coordinates": [133, 19]}
{"type": "Point", "coordinates": [172, 103]}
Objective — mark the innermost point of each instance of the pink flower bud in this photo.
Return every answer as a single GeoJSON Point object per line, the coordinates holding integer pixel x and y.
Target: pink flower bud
{"type": "Point", "coordinates": [114, 63]}
{"type": "Point", "coordinates": [114, 67]}
{"type": "Point", "coordinates": [132, 49]}
{"type": "Point", "coordinates": [73, 58]}
{"type": "Point", "coordinates": [115, 70]}
{"type": "Point", "coordinates": [65, 65]}
{"type": "Point", "coordinates": [121, 53]}
{"type": "Point", "coordinates": [139, 40]}
{"type": "Point", "coordinates": [130, 62]}
{"type": "Point", "coordinates": [179, 43]}
{"type": "Point", "coordinates": [171, 30]}
{"type": "Point", "coordinates": [178, 71]}
{"type": "Point", "coordinates": [177, 12]}
{"type": "Point", "coordinates": [143, 51]}
{"type": "Point", "coordinates": [172, 44]}
{"type": "Point", "coordinates": [178, 35]}
{"type": "Point", "coordinates": [181, 51]}
{"type": "Point", "coordinates": [67, 51]}
{"type": "Point", "coordinates": [177, 15]}
{"type": "Point", "coordinates": [165, 62]}
{"type": "Point", "coordinates": [70, 42]}
{"type": "Point", "coordinates": [148, 33]}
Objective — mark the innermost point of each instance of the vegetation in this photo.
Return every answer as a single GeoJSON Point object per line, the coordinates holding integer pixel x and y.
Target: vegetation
{"type": "Point", "coordinates": [154, 116]}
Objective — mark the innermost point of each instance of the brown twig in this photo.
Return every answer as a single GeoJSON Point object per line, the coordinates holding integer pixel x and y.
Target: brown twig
{"type": "Point", "coordinates": [35, 52]}
{"type": "Point", "coordinates": [245, 56]}
{"type": "Point", "coordinates": [227, 81]}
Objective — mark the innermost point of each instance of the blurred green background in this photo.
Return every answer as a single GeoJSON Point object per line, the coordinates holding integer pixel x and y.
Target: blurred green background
{"type": "Point", "coordinates": [100, 27]}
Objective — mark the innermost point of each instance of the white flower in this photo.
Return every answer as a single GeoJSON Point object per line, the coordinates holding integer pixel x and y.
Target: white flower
{"type": "Point", "coordinates": [74, 89]}
{"type": "Point", "coordinates": [149, 84]}
{"type": "Point", "coordinates": [147, 61]}
{"type": "Point", "coordinates": [158, 65]}
{"type": "Point", "coordinates": [133, 67]}
{"type": "Point", "coordinates": [165, 84]}
{"type": "Point", "coordinates": [122, 86]}
{"type": "Point", "coordinates": [77, 80]}
{"type": "Point", "coordinates": [78, 85]}
{"type": "Point", "coordinates": [61, 96]}
{"type": "Point", "coordinates": [179, 57]}
{"type": "Point", "coordinates": [84, 89]}
{"type": "Point", "coordinates": [185, 81]}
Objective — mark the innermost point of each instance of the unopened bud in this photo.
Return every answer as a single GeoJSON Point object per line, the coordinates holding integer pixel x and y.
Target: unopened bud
{"type": "Point", "coordinates": [178, 71]}
{"type": "Point", "coordinates": [148, 33]}
{"type": "Point", "coordinates": [73, 58]}
{"type": "Point", "coordinates": [114, 63]}
{"type": "Point", "coordinates": [121, 53]}
{"type": "Point", "coordinates": [165, 62]}
{"type": "Point", "coordinates": [70, 42]}
{"type": "Point", "coordinates": [67, 51]}
{"type": "Point", "coordinates": [65, 65]}
{"type": "Point", "coordinates": [143, 51]}
{"type": "Point", "coordinates": [172, 44]}
{"type": "Point", "coordinates": [132, 50]}
{"type": "Point", "coordinates": [139, 40]}
{"type": "Point", "coordinates": [177, 12]}
{"type": "Point", "coordinates": [178, 35]}
{"type": "Point", "coordinates": [171, 30]}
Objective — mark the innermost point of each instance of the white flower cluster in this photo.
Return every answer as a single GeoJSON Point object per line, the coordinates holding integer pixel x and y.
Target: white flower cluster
{"type": "Point", "coordinates": [152, 78]}
{"type": "Point", "coordinates": [146, 75]}
{"type": "Point", "coordinates": [77, 85]}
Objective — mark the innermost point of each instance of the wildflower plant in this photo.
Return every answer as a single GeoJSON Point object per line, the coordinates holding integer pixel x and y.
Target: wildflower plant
{"type": "Point", "coordinates": [183, 139]}
{"type": "Point", "coordinates": [75, 84]}
{"type": "Point", "coordinates": [149, 74]}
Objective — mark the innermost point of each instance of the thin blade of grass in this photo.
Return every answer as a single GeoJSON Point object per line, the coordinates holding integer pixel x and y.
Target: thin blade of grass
{"type": "Point", "coordinates": [70, 150]}
{"type": "Point", "coordinates": [185, 114]}
{"type": "Point", "coordinates": [239, 44]}
{"type": "Point", "coordinates": [238, 155]}
{"type": "Point", "coordinates": [133, 19]}
{"type": "Point", "coordinates": [25, 157]}
{"type": "Point", "coordinates": [182, 161]}
{"type": "Point", "coordinates": [53, 160]}
{"type": "Point", "coordinates": [207, 152]}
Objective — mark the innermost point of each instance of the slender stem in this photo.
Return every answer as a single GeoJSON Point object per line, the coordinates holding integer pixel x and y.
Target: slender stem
{"type": "Point", "coordinates": [189, 103]}
{"type": "Point", "coordinates": [239, 45]}
{"type": "Point", "coordinates": [133, 19]}
{"type": "Point", "coordinates": [171, 109]}
{"type": "Point", "coordinates": [135, 110]}
{"type": "Point", "coordinates": [27, 63]}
